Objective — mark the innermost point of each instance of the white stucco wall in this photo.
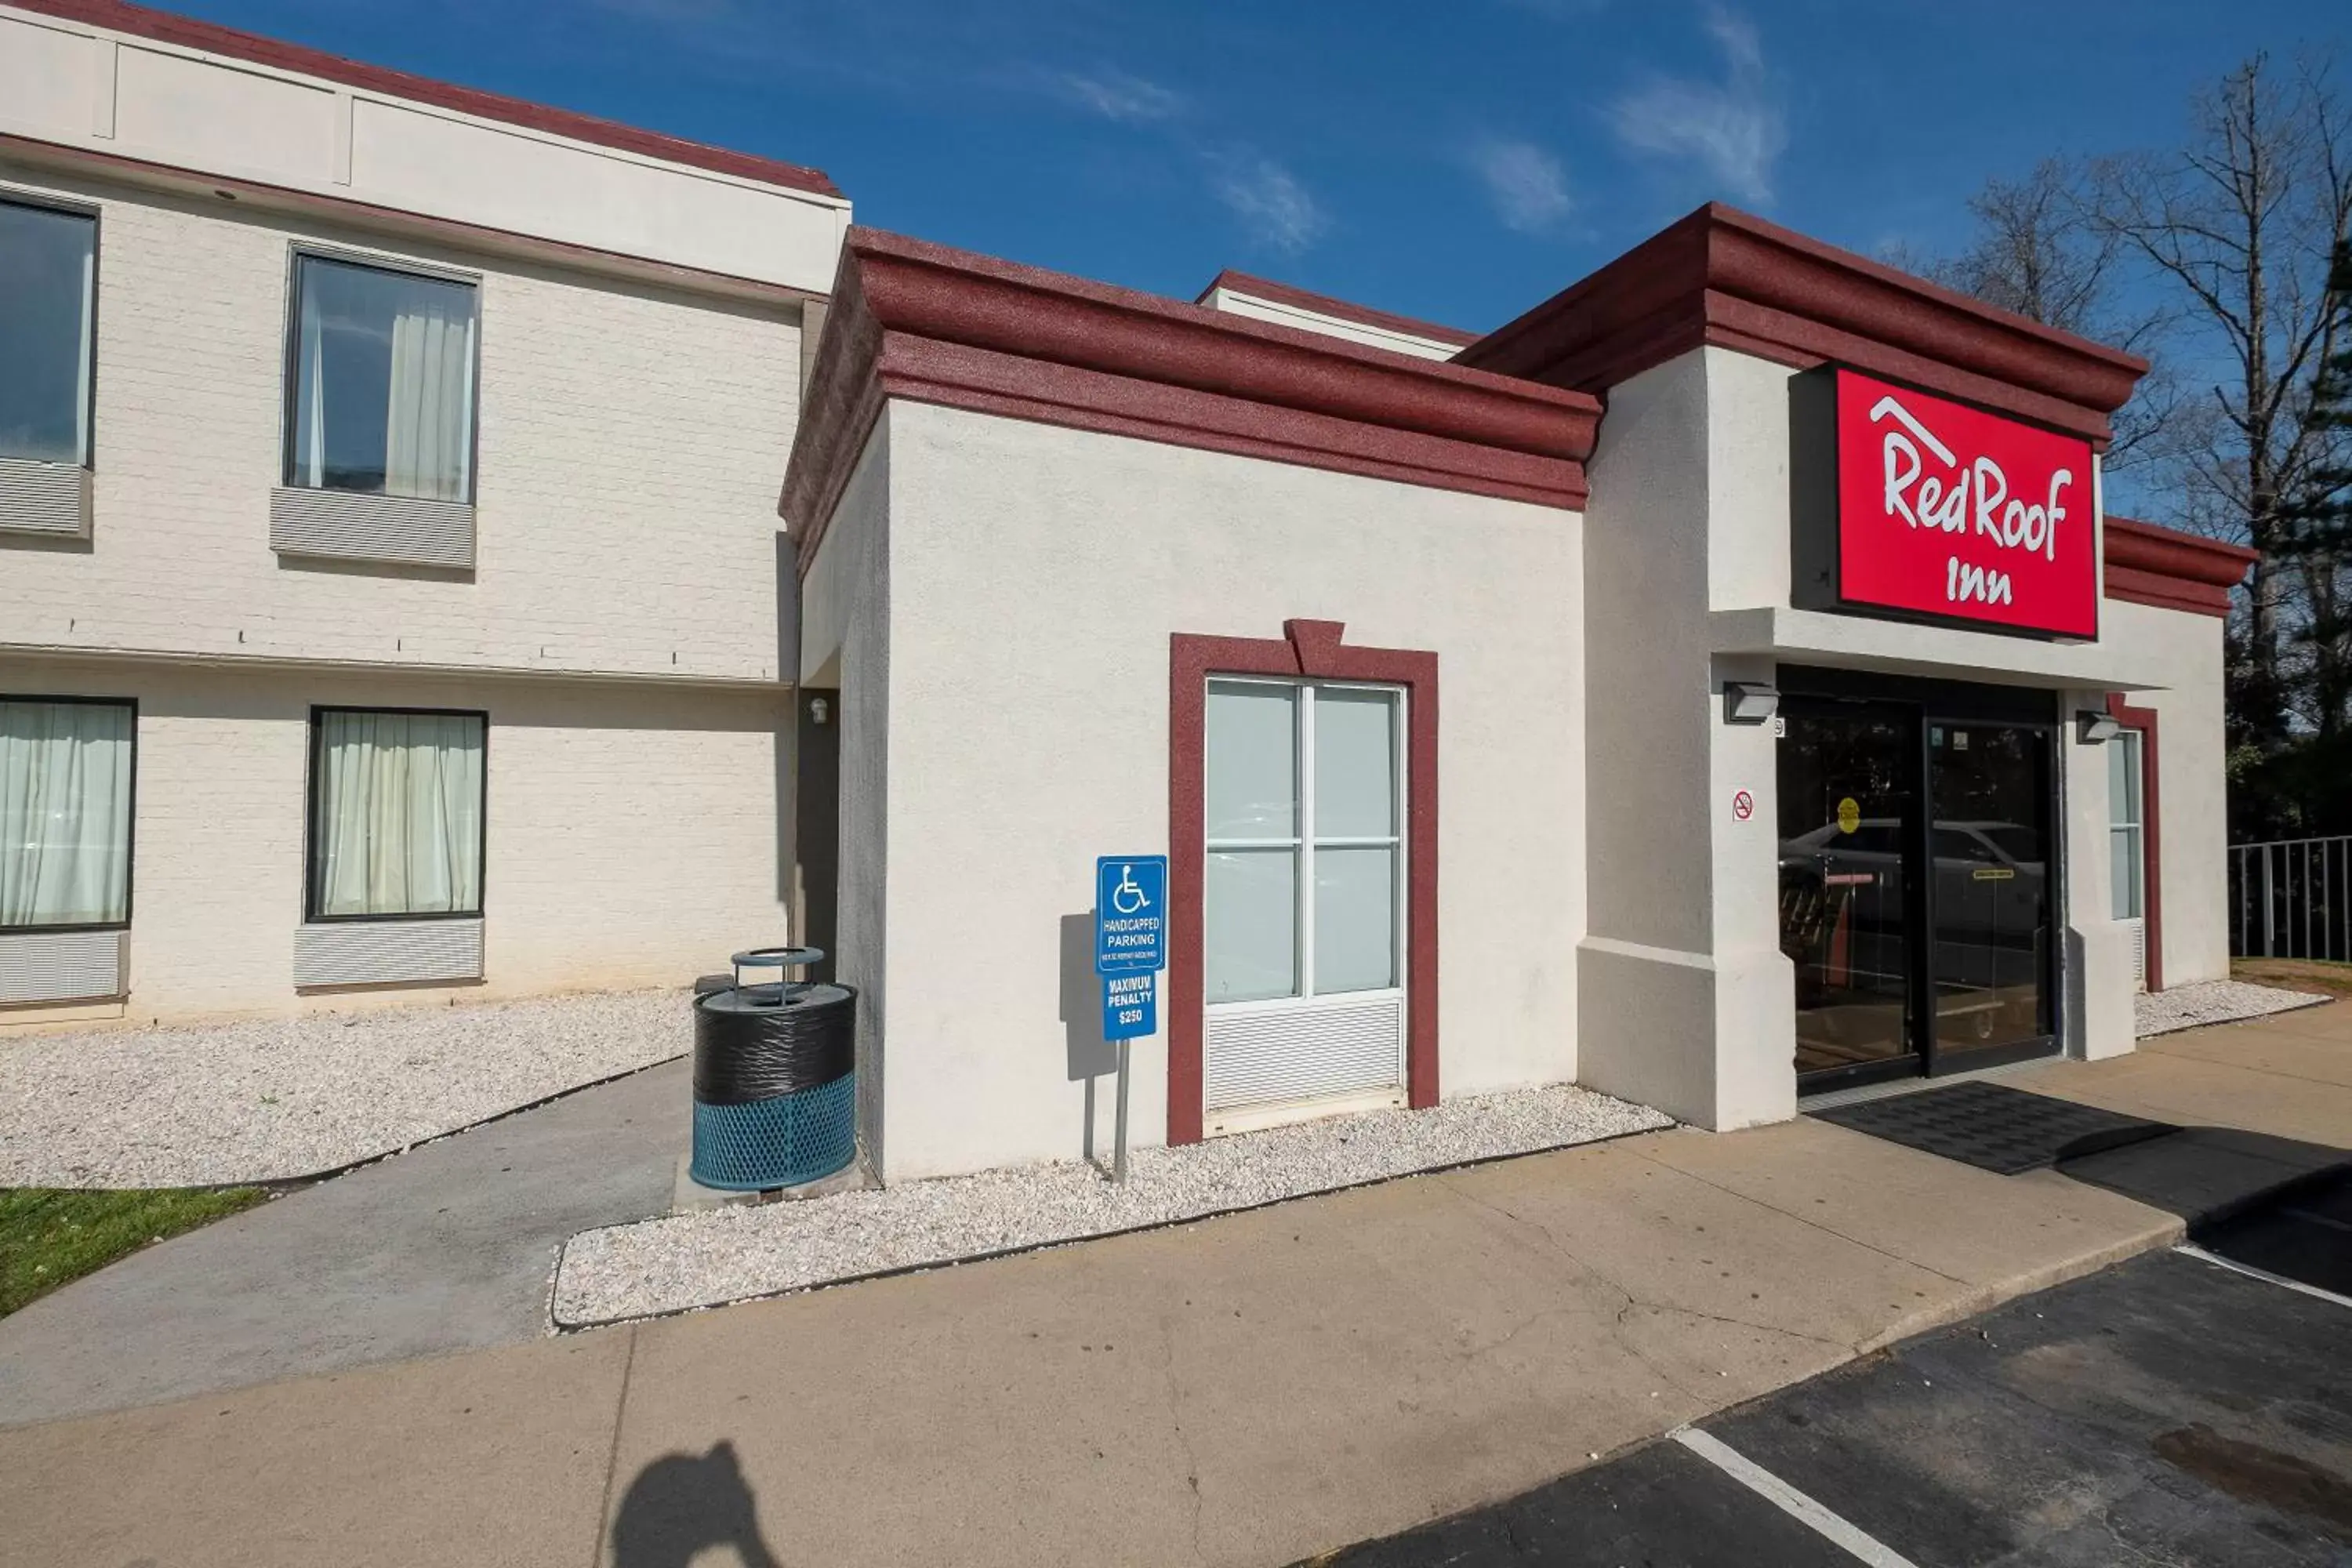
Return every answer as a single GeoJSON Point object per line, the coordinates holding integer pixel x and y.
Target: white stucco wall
{"type": "Point", "coordinates": [630, 830]}
{"type": "Point", "coordinates": [1686, 1001]}
{"type": "Point", "coordinates": [92, 88]}
{"type": "Point", "coordinates": [631, 444]}
{"type": "Point", "coordinates": [1034, 577]}
{"type": "Point", "coordinates": [2185, 650]}
{"type": "Point", "coordinates": [845, 604]}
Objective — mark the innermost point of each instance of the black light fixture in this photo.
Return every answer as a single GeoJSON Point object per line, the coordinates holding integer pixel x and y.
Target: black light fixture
{"type": "Point", "coordinates": [1749, 701]}
{"type": "Point", "coordinates": [2095, 729]}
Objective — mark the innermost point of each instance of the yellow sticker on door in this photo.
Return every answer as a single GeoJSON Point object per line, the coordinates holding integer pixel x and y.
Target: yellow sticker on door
{"type": "Point", "coordinates": [1993, 874]}
{"type": "Point", "coordinates": [1849, 815]}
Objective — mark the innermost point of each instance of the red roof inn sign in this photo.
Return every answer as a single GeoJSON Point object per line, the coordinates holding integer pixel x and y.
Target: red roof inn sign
{"type": "Point", "coordinates": [1935, 510]}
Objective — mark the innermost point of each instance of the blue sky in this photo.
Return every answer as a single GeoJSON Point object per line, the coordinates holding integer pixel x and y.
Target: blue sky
{"type": "Point", "coordinates": [1459, 162]}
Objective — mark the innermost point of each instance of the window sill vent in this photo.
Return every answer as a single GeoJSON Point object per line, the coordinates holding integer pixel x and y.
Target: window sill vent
{"type": "Point", "coordinates": [387, 952]}
{"type": "Point", "coordinates": [63, 965]}
{"type": "Point", "coordinates": [50, 500]}
{"type": "Point", "coordinates": [350, 525]}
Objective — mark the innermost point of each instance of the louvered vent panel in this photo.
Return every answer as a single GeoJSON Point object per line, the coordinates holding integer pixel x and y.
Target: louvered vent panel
{"type": "Point", "coordinates": [1268, 1058]}
{"type": "Point", "coordinates": [346, 525]}
{"type": "Point", "coordinates": [61, 966]}
{"type": "Point", "coordinates": [387, 952]}
{"type": "Point", "coordinates": [2139, 955]}
{"type": "Point", "coordinates": [49, 499]}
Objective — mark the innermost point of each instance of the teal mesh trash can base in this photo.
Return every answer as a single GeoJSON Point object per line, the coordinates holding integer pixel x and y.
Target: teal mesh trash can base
{"type": "Point", "coordinates": [776, 1142]}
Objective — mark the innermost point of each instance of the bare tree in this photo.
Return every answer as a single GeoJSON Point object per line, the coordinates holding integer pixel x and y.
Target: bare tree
{"type": "Point", "coordinates": [2240, 226]}
{"type": "Point", "coordinates": [2040, 249]}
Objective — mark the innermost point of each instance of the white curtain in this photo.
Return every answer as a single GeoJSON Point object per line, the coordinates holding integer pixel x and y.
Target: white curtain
{"type": "Point", "coordinates": [310, 414]}
{"type": "Point", "coordinates": [400, 813]}
{"type": "Point", "coordinates": [429, 420]}
{"type": "Point", "coordinates": [64, 814]}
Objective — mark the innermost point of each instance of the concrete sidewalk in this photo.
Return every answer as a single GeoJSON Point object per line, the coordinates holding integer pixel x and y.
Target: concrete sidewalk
{"type": "Point", "coordinates": [1252, 1389]}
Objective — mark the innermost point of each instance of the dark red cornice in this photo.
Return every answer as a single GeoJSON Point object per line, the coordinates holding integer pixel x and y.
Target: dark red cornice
{"type": "Point", "coordinates": [2147, 564]}
{"type": "Point", "coordinates": [930, 324]}
{"type": "Point", "coordinates": [166, 28]}
{"type": "Point", "coordinates": [1725, 278]}
{"type": "Point", "coordinates": [1346, 310]}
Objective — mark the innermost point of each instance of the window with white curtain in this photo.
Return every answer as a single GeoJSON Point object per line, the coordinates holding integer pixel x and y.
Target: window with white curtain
{"type": "Point", "coordinates": [65, 813]}
{"type": "Point", "coordinates": [2126, 827]}
{"type": "Point", "coordinates": [1305, 860]}
{"type": "Point", "coordinates": [48, 260]}
{"type": "Point", "coordinates": [381, 383]}
{"type": "Point", "coordinates": [396, 817]}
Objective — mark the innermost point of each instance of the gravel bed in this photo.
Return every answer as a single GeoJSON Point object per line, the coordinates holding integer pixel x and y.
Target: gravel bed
{"type": "Point", "coordinates": [267, 1099]}
{"type": "Point", "coordinates": [2203, 1002]}
{"type": "Point", "coordinates": [727, 1255]}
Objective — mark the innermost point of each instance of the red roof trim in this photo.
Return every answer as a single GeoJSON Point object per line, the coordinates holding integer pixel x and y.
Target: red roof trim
{"type": "Point", "coordinates": [2149, 565]}
{"type": "Point", "coordinates": [1346, 310]}
{"type": "Point", "coordinates": [167, 27]}
{"type": "Point", "coordinates": [930, 324]}
{"type": "Point", "coordinates": [1722, 278]}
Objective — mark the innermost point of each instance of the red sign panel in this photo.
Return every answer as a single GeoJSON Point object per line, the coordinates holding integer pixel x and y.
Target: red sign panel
{"type": "Point", "coordinates": [1950, 511]}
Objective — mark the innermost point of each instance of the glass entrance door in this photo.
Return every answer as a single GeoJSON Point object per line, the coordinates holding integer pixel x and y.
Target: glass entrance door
{"type": "Point", "coordinates": [1989, 898]}
{"type": "Point", "coordinates": [1849, 852]}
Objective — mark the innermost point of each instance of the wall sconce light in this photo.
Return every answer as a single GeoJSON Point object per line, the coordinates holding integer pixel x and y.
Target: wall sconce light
{"type": "Point", "coordinates": [2095, 729]}
{"type": "Point", "coordinates": [1749, 701]}
{"type": "Point", "coordinates": [819, 709]}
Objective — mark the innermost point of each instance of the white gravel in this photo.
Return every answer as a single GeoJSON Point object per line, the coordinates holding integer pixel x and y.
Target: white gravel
{"type": "Point", "coordinates": [2203, 1002]}
{"type": "Point", "coordinates": [727, 1255]}
{"type": "Point", "coordinates": [273, 1098]}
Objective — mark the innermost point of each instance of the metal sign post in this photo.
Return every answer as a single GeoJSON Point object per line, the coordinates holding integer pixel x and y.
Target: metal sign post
{"type": "Point", "coordinates": [1130, 950]}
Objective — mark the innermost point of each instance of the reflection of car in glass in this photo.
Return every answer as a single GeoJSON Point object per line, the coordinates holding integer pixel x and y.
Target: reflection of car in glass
{"type": "Point", "coordinates": [1991, 886]}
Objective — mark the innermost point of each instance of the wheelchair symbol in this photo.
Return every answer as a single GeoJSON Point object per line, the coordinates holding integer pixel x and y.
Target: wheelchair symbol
{"type": "Point", "coordinates": [1127, 899]}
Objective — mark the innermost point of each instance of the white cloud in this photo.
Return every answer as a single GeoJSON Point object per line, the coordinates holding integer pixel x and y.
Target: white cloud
{"type": "Point", "coordinates": [1733, 129]}
{"type": "Point", "coordinates": [1117, 95]}
{"type": "Point", "coordinates": [1277, 209]}
{"type": "Point", "coordinates": [1528, 190]}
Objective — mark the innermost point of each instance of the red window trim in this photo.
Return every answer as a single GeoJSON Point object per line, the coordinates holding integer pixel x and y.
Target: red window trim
{"type": "Point", "coordinates": [2151, 839]}
{"type": "Point", "coordinates": [1309, 650]}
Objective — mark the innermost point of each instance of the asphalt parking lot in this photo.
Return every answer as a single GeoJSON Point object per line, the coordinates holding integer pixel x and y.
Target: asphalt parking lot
{"type": "Point", "coordinates": [2170, 1410]}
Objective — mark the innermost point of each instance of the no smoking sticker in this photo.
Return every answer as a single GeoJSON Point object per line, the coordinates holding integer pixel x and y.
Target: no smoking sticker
{"type": "Point", "coordinates": [1743, 805]}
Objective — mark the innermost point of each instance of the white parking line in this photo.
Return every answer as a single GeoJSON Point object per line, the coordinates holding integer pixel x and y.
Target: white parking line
{"type": "Point", "coordinates": [1790, 1500]}
{"type": "Point", "coordinates": [2190, 1250]}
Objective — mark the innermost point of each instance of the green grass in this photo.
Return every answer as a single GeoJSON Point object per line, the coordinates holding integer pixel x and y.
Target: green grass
{"type": "Point", "coordinates": [48, 1235]}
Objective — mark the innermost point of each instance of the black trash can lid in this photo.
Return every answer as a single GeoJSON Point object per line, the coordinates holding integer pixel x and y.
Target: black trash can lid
{"type": "Point", "coordinates": [768, 998]}
{"type": "Point", "coordinates": [778, 957]}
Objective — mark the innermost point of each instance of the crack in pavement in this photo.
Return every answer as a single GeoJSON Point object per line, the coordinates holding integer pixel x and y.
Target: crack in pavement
{"type": "Point", "coordinates": [1176, 1420]}
{"type": "Point", "coordinates": [1621, 1334]}
{"type": "Point", "coordinates": [1800, 1219]}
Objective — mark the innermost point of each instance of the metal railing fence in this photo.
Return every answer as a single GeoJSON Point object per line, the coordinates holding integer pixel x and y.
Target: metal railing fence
{"type": "Point", "coordinates": [2292, 899]}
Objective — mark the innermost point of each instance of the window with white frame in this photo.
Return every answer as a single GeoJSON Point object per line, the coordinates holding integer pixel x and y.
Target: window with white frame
{"type": "Point", "coordinates": [65, 813]}
{"type": "Point", "coordinates": [48, 262]}
{"type": "Point", "coordinates": [380, 386]}
{"type": "Point", "coordinates": [397, 815]}
{"type": "Point", "coordinates": [1305, 857]}
{"type": "Point", "coordinates": [2127, 829]}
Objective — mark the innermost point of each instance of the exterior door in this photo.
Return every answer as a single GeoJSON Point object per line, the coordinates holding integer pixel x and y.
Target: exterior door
{"type": "Point", "coordinates": [1918, 844]}
{"type": "Point", "coordinates": [1991, 896]}
{"type": "Point", "coordinates": [1849, 831]}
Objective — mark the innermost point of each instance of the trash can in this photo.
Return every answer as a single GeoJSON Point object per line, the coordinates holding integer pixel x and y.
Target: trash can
{"type": "Point", "coordinates": [775, 1081]}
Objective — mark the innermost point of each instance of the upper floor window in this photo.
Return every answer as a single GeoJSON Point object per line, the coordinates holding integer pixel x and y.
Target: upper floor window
{"type": "Point", "coordinates": [48, 260]}
{"type": "Point", "coordinates": [383, 382]}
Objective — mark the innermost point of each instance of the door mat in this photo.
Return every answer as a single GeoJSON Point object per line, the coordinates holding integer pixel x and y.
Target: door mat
{"type": "Point", "coordinates": [1995, 1129]}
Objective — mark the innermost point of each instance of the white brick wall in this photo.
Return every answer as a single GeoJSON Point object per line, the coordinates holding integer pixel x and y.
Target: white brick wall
{"type": "Point", "coordinates": [631, 444]}
{"type": "Point", "coordinates": [632, 829]}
